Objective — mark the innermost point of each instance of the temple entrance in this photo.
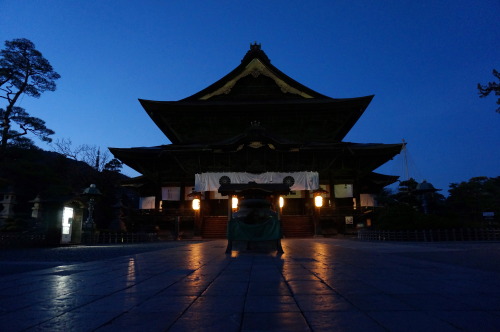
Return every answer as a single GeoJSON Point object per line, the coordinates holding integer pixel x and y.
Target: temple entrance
{"type": "Point", "coordinates": [297, 226]}
{"type": "Point", "coordinates": [293, 226]}
{"type": "Point", "coordinates": [214, 227]}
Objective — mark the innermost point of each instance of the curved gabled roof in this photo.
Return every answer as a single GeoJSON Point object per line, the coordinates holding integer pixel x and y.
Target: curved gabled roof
{"type": "Point", "coordinates": [268, 82]}
{"type": "Point", "coordinates": [256, 91]}
{"type": "Point", "coordinates": [303, 120]}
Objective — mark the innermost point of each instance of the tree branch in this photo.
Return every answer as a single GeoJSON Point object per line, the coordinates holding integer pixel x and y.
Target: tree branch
{"type": "Point", "coordinates": [25, 131]}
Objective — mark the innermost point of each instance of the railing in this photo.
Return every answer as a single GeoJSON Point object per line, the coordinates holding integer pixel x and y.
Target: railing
{"type": "Point", "coordinates": [118, 237]}
{"type": "Point", "coordinates": [433, 235]}
{"type": "Point", "coordinates": [34, 240]}
{"type": "Point", "coordinates": [21, 240]}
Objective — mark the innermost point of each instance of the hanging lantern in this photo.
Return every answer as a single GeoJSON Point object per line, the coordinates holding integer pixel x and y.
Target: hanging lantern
{"type": "Point", "coordinates": [318, 201]}
{"type": "Point", "coordinates": [234, 202]}
{"type": "Point", "coordinates": [196, 204]}
{"type": "Point", "coordinates": [281, 202]}
{"type": "Point", "coordinates": [318, 197]}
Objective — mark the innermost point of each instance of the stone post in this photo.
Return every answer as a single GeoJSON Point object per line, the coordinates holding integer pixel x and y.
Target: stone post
{"type": "Point", "coordinates": [8, 202]}
{"type": "Point", "coordinates": [36, 210]}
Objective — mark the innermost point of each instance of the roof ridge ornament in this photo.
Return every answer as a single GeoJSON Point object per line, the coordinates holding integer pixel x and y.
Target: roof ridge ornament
{"type": "Point", "coordinates": [256, 52]}
{"type": "Point", "coordinates": [255, 46]}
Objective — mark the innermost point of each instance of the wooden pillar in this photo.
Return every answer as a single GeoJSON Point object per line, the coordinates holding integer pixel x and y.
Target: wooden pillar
{"type": "Point", "coordinates": [229, 207]}
{"type": "Point", "coordinates": [182, 200]}
{"type": "Point", "coordinates": [198, 214]}
{"type": "Point", "coordinates": [158, 198]}
{"type": "Point", "coordinates": [197, 223]}
{"type": "Point", "coordinates": [355, 193]}
{"type": "Point", "coordinates": [277, 207]}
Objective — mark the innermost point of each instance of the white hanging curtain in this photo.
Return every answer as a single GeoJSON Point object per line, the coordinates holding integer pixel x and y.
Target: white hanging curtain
{"type": "Point", "coordinates": [147, 203]}
{"type": "Point", "coordinates": [367, 200]}
{"type": "Point", "coordinates": [343, 190]}
{"type": "Point", "coordinates": [171, 193]}
{"type": "Point", "coordinates": [296, 180]}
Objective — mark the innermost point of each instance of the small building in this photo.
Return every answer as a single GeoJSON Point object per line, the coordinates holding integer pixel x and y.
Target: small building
{"type": "Point", "coordinates": [59, 218]}
{"type": "Point", "coordinates": [256, 124]}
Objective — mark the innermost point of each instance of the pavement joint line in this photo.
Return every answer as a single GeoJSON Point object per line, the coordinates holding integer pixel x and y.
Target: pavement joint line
{"type": "Point", "coordinates": [462, 285]}
{"type": "Point", "coordinates": [341, 296]}
{"type": "Point", "coordinates": [100, 298]}
{"type": "Point", "coordinates": [82, 305]}
{"type": "Point", "coordinates": [198, 296]}
{"type": "Point", "coordinates": [295, 300]}
{"type": "Point", "coordinates": [246, 296]}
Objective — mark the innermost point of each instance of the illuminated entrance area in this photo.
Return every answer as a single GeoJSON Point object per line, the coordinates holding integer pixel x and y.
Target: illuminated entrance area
{"type": "Point", "coordinates": [70, 218]}
{"type": "Point", "coordinates": [67, 221]}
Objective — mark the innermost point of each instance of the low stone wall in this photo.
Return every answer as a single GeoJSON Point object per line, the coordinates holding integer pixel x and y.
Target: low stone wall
{"type": "Point", "coordinates": [432, 235]}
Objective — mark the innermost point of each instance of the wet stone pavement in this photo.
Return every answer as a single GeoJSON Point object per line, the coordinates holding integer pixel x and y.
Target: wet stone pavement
{"type": "Point", "coordinates": [316, 285]}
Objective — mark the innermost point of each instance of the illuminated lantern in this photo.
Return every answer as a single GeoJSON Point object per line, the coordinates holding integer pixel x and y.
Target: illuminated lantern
{"type": "Point", "coordinates": [318, 201]}
{"type": "Point", "coordinates": [234, 202]}
{"type": "Point", "coordinates": [196, 204]}
{"type": "Point", "coordinates": [281, 201]}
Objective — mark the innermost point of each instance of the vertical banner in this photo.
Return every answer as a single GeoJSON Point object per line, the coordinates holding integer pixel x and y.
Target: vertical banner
{"type": "Point", "coordinates": [367, 200]}
{"type": "Point", "coordinates": [343, 190]}
{"type": "Point", "coordinates": [171, 193]}
{"type": "Point", "coordinates": [147, 203]}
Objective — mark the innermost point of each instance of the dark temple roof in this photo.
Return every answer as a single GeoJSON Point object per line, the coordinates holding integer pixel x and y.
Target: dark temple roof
{"type": "Point", "coordinates": [257, 119]}
{"type": "Point", "coordinates": [255, 79]}
{"type": "Point", "coordinates": [256, 91]}
{"type": "Point", "coordinates": [257, 150]}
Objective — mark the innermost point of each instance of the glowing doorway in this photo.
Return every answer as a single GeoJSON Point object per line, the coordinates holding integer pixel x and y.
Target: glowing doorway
{"type": "Point", "coordinates": [67, 220]}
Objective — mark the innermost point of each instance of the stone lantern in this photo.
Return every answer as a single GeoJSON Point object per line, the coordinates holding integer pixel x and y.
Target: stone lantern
{"type": "Point", "coordinates": [91, 193]}
{"type": "Point", "coordinates": [8, 202]}
{"type": "Point", "coordinates": [425, 192]}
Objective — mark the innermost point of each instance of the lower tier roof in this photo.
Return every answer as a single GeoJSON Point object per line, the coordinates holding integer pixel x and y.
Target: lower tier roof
{"type": "Point", "coordinates": [178, 163]}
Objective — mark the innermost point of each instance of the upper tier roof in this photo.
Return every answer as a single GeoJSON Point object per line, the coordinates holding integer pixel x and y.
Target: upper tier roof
{"type": "Point", "coordinates": [256, 91]}
{"type": "Point", "coordinates": [255, 79]}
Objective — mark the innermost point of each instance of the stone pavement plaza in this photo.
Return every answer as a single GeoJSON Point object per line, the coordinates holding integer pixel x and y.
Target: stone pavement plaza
{"type": "Point", "coordinates": [316, 285]}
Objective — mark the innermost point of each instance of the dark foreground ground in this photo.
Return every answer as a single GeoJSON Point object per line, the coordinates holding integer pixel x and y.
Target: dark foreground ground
{"type": "Point", "coordinates": [17, 260]}
{"type": "Point", "coordinates": [316, 285]}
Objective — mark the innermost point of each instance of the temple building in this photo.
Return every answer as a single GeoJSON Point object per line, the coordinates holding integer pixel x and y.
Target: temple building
{"type": "Point", "coordinates": [256, 124]}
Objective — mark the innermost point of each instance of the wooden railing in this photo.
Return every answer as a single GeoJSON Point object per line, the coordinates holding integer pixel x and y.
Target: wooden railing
{"type": "Point", "coordinates": [433, 235]}
{"type": "Point", "coordinates": [21, 239]}
{"type": "Point", "coordinates": [34, 240]}
{"type": "Point", "coordinates": [118, 237]}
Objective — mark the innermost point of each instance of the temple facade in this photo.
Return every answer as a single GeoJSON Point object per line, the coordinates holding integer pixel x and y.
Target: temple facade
{"type": "Point", "coordinates": [258, 125]}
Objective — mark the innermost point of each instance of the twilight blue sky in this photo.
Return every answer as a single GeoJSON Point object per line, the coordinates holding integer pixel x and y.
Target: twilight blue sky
{"type": "Point", "coordinates": [421, 59]}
